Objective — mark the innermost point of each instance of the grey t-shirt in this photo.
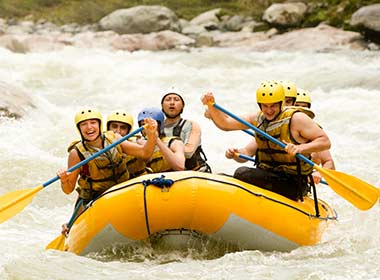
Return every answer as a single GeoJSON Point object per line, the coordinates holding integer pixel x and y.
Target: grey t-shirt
{"type": "Point", "coordinates": [185, 133]}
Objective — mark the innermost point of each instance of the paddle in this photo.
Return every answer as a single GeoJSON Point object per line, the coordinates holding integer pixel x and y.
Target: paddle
{"type": "Point", "coordinates": [12, 203]}
{"type": "Point", "coordinates": [249, 132]}
{"type": "Point", "coordinates": [243, 156]}
{"type": "Point", "coordinates": [359, 193]}
{"type": "Point", "coordinates": [59, 242]}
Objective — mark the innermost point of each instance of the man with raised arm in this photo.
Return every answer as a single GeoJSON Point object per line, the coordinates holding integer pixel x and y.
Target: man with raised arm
{"type": "Point", "coordinates": [277, 169]}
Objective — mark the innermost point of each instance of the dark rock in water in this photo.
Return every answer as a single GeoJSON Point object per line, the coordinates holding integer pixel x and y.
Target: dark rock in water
{"type": "Point", "coordinates": [14, 102]}
{"type": "Point", "coordinates": [367, 20]}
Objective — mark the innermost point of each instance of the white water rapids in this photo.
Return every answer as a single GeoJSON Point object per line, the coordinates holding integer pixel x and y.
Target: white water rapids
{"type": "Point", "coordinates": [345, 88]}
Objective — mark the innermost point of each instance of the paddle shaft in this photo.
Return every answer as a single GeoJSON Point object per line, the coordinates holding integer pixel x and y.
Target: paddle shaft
{"type": "Point", "coordinates": [74, 215]}
{"type": "Point", "coordinates": [249, 132]}
{"type": "Point", "coordinates": [59, 242]}
{"type": "Point", "coordinates": [98, 153]}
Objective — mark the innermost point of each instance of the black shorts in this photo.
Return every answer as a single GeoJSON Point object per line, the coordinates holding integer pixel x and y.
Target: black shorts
{"type": "Point", "coordinates": [291, 186]}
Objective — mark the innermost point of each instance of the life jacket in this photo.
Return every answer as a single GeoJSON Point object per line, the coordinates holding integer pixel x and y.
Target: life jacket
{"type": "Point", "coordinates": [198, 159]}
{"type": "Point", "coordinates": [305, 110]}
{"type": "Point", "coordinates": [136, 166]}
{"type": "Point", "coordinates": [270, 155]}
{"type": "Point", "coordinates": [158, 163]}
{"type": "Point", "coordinates": [102, 172]}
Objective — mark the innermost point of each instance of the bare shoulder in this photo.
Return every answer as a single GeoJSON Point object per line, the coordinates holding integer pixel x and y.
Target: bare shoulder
{"type": "Point", "coordinates": [73, 154]}
{"type": "Point", "coordinates": [194, 124]}
{"type": "Point", "coordinates": [300, 117]}
{"type": "Point", "coordinates": [73, 157]}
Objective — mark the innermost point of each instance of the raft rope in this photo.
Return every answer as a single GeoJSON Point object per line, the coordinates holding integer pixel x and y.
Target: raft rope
{"type": "Point", "coordinates": [160, 182]}
{"type": "Point", "coordinates": [335, 217]}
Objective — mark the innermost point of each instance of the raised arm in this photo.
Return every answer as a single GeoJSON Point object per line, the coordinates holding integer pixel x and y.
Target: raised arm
{"type": "Point", "coordinates": [145, 149]}
{"type": "Point", "coordinates": [221, 120]}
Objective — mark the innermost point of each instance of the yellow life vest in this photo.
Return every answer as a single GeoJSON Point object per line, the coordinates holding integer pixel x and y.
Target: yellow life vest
{"type": "Point", "coordinates": [136, 166]}
{"type": "Point", "coordinates": [157, 162]}
{"type": "Point", "coordinates": [305, 110]}
{"type": "Point", "coordinates": [270, 155]}
{"type": "Point", "coordinates": [102, 172]}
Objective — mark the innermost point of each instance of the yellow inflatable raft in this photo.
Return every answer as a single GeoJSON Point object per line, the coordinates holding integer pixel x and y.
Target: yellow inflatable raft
{"type": "Point", "coordinates": [217, 206]}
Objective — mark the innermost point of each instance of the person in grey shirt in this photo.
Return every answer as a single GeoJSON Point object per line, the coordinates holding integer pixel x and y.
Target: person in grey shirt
{"type": "Point", "coordinates": [189, 131]}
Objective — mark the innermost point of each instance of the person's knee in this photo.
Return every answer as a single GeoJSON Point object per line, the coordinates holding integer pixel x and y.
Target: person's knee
{"type": "Point", "coordinates": [241, 172]}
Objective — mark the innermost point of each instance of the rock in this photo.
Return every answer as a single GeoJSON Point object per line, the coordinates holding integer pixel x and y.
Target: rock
{"type": "Point", "coordinates": [14, 102]}
{"type": "Point", "coordinates": [234, 23]}
{"type": "Point", "coordinates": [320, 38]}
{"type": "Point", "coordinates": [238, 39]}
{"type": "Point", "coordinates": [71, 28]}
{"type": "Point", "coordinates": [183, 23]}
{"type": "Point", "coordinates": [140, 19]}
{"type": "Point", "coordinates": [193, 30]}
{"type": "Point", "coordinates": [285, 15]}
{"type": "Point", "coordinates": [367, 20]}
{"type": "Point", "coordinates": [14, 43]}
{"type": "Point", "coordinates": [367, 17]}
{"type": "Point", "coordinates": [155, 41]}
{"type": "Point", "coordinates": [128, 42]}
{"type": "Point", "coordinates": [205, 39]}
{"type": "Point", "coordinates": [209, 20]}
{"type": "Point", "coordinates": [100, 40]}
{"type": "Point", "coordinates": [136, 28]}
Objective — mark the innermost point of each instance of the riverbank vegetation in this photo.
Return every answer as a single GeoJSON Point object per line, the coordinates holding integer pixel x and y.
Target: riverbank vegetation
{"type": "Point", "coordinates": [334, 12]}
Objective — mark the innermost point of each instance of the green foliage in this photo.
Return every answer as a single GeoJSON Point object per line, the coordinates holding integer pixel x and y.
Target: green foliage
{"type": "Point", "coordinates": [316, 18]}
{"type": "Point", "coordinates": [334, 12]}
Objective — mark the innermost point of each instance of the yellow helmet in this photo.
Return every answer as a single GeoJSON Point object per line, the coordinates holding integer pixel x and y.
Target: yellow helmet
{"type": "Point", "coordinates": [290, 89]}
{"type": "Point", "coordinates": [88, 114]}
{"type": "Point", "coordinates": [120, 116]}
{"type": "Point", "coordinates": [270, 91]}
{"type": "Point", "coordinates": [303, 96]}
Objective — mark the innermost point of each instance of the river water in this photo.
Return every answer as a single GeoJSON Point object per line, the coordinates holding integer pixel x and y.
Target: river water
{"type": "Point", "coordinates": [345, 88]}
